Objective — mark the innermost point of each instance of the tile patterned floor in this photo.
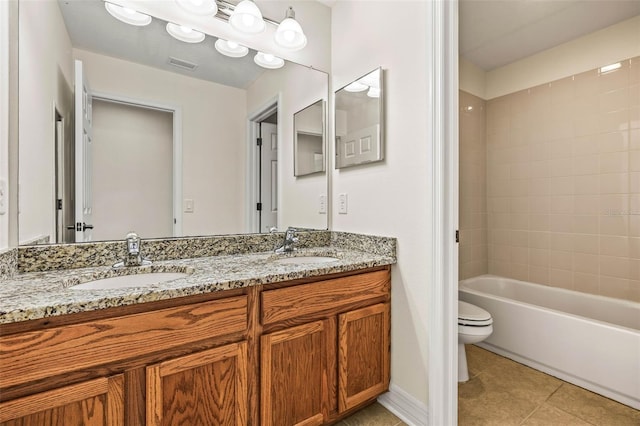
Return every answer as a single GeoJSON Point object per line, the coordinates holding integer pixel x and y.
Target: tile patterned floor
{"type": "Point", "coordinates": [503, 392]}
{"type": "Point", "coordinates": [372, 415]}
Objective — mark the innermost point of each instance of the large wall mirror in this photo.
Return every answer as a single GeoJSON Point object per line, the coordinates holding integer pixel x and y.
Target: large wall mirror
{"type": "Point", "coordinates": [359, 121]}
{"type": "Point", "coordinates": [172, 130]}
{"type": "Point", "coordinates": [309, 139]}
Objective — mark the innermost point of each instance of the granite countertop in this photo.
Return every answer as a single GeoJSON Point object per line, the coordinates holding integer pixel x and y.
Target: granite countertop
{"type": "Point", "coordinates": [36, 295]}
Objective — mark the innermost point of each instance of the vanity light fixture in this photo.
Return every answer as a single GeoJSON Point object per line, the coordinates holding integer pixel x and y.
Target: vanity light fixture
{"type": "Point", "coordinates": [127, 15]}
{"type": "Point", "coordinates": [247, 18]}
{"type": "Point", "coordinates": [231, 48]}
{"type": "Point", "coordinates": [183, 33]}
{"type": "Point", "coordinates": [289, 33]}
{"type": "Point", "coordinates": [199, 7]}
{"type": "Point", "coordinates": [267, 60]}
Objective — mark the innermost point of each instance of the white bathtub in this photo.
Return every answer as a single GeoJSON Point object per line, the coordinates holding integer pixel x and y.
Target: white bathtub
{"type": "Point", "coordinates": [591, 341]}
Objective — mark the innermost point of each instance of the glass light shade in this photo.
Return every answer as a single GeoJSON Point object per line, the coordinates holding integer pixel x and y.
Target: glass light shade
{"type": "Point", "coordinates": [267, 60]}
{"type": "Point", "coordinates": [199, 7]}
{"type": "Point", "coordinates": [356, 86]}
{"type": "Point", "coordinates": [186, 34]}
{"type": "Point", "coordinates": [289, 33]}
{"type": "Point", "coordinates": [247, 18]}
{"type": "Point", "coordinates": [126, 15]}
{"type": "Point", "coordinates": [231, 48]}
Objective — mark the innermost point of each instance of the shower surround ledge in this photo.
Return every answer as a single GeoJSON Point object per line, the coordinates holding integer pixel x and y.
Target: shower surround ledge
{"type": "Point", "coordinates": [43, 286]}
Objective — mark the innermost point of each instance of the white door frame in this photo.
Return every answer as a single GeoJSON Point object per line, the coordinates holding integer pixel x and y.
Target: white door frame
{"type": "Point", "coordinates": [253, 178]}
{"type": "Point", "coordinates": [176, 111]}
{"type": "Point", "coordinates": [443, 293]}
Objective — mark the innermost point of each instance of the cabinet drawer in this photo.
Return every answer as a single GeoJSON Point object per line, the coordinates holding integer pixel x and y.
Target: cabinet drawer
{"type": "Point", "coordinates": [291, 302]}
{"type": "Point", "coordinates": [34, 355]}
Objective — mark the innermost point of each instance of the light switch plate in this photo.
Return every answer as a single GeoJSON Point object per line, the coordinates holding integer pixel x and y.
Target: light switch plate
{"type": "Point", "coordinates": [342, 203]}
{"type": "Point", "coordinates": [188, 205]}
{"type": "Point", "coordinates": [322, 204]}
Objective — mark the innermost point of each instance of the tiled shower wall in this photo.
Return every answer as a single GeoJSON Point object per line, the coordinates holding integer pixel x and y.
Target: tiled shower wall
{"type": "Point", "coordinates": [563, 183]}
{"type": "Point", "coordinates": [473, 187]}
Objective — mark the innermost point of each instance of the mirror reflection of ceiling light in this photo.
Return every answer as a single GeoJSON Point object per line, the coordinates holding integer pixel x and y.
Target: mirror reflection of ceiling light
{"type": "Point", "coordinates": [356, 86]}
{"type": "Point", "coordinates": [247, 18]}
{"type": "Point", "coordinates": [373, 92]}
{"type": "Point", "coordinates": [186, 34]}
{"type": "Point", "coordinates": [199, 7]}
{"type": "Point", "coordinates": [127, 15]}
{"type": "Point", "coordinates": [372, 79]}
{"type": "Point", "coordinates": [289, 33]}
{"type": "Point", "coordinates": [609, 68]}
{"type": "Point", "coordinates": [267, 60]}
{"type": "Point", "coordinates": [231, 48]}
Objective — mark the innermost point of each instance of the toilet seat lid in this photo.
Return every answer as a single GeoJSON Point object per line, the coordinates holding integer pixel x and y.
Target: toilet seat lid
{"type": "Point", "coordinates": [469, 314]}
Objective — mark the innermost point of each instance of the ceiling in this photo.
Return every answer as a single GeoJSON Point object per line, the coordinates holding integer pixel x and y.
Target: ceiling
{"type": "Point", "coordinates": [494, 33]}
{"type": "Point", "coordinates": [90, 27]}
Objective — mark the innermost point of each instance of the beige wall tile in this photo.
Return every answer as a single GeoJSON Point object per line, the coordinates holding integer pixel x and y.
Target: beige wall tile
{"type": "Point", "coordinates": [615, 246]}
{"type": "Point", "coordinates": [561, 278]}
{"type": "Point", "coordinates": [585, 243]}
{"type": "Point", "coordinates": [613, 142]}
{"type": "Point", "coordinates": [586, 283]}
{"type": "Point", "coordinates": [618, 267]}
{"type": "Point", "coordinates": [563, 182]}
{"type": "Point", "coordinates": [561, 260]}
{"type": "Point", "coordinates": [586, 263]}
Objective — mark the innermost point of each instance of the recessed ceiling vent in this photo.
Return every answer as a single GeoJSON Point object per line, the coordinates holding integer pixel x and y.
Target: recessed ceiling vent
{"type": "Point", "coordinates": [181, 63]}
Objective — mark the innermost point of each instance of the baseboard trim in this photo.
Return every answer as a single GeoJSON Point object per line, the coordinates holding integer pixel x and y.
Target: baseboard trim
{"type": "Point", "coordinates": [406, 407]}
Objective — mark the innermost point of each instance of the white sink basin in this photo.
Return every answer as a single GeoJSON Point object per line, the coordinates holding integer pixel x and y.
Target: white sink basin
{"type": "Point", "coordinates": [299, 260]}
{"type": "Point", "coordinates": [133, 280]}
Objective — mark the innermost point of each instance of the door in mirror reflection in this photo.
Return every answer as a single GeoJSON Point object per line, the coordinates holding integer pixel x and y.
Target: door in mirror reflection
{"type": "Point", "coordinates": [359, 121]}
{"type": "Point", "coordinates": [309, 137]}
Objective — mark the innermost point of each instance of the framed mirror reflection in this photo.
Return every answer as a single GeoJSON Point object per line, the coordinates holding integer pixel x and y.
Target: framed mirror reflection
{"type": "Point", "coordinates": [309, 139]}
{"type": "Point", "coordinates": [172, 137]}
{"type": "Point", "coordinates": [359, 121]}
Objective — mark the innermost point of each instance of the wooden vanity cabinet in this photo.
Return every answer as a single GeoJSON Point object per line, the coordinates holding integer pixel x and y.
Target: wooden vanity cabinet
{"type": "Point", "coordinates": [306, 352]}
{"type": "Point", "coordinates": [181, 364]}
{"type": "Point", "coordinates": [329, 351]}
{"type": "Point", "coordinates": [98, 402]}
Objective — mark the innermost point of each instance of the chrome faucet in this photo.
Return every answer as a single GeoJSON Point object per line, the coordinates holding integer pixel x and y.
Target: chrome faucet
{"type": "Point", "coordinates": [133, 257]}
{"type": "Point", "coordinates": [289, 240]}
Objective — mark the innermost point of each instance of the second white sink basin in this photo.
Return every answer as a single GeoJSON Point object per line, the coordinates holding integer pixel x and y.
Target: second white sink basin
{"type": "Point", "coordinates": [133, 280]}
{"type": "Point", "coordinates": [299, 260]}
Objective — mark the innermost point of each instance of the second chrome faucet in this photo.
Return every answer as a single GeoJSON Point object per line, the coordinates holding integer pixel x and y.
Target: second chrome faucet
{"type": "Point", "coordinates": [290, 239]}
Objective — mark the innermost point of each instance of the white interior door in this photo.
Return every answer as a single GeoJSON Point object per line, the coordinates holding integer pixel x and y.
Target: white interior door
{"type": "Point", "coordinates": [269, 176]}
{"type": "Point", "coordinates": [83, 152]}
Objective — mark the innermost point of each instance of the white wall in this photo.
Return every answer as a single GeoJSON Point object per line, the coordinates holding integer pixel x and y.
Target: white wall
{"type": "Point", "coordinates": [213, 135]}
{"type": "Point", "coordinates": [609, 45]}
{"type": "Point", "coordinates": [297, 196]}
{"type": "Point", "coordinates": [392, 197]}
{"type": "Point", "coordinates": [4, 123]}
{"type": "Point", "coordinates": [45, 81]}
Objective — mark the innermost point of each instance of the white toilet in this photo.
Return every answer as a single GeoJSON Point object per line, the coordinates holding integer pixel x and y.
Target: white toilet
{"type": "Point", "coordinates": [474, 325]}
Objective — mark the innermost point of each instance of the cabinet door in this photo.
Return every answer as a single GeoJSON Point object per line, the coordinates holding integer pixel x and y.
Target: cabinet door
{"type": "Point", "coordinates": [96, 402]}
{"type": "Point", "coordinates": [205, 388]}
{"type": "Point", "coordinates": [363, 360]}
{"type": "Point", "coordinates": [293, 385]}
